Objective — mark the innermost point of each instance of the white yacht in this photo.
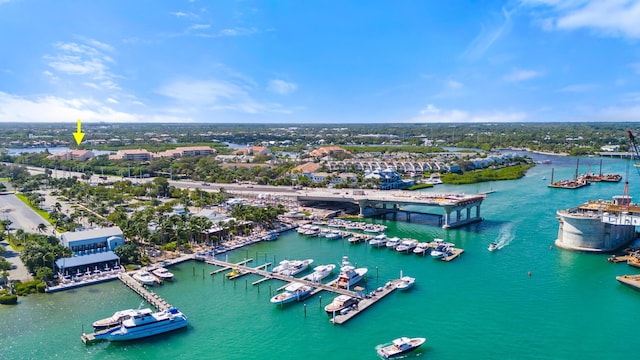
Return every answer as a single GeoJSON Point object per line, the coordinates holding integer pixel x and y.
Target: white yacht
{"type": "Point", "coordinates": [421, 248]}
{"type": "Point", "coordinates": [333, 235]}
{"type": "Point", "coordinates": [349, 275]}
{"type": "Point", "coordinates": [320, 272]}
{"type": "Point", "coordinates": [144, 277]}
{"type": "Point", "coordinates": [143, 324]}
{"type": "Point", "coordinates": [117, 318]}
{"type": "Point", "coordinates": [399, 347]}
{"type": "Point", "coordinates": [378, 241]}
{"type": "Point", "coordinates": [163, 273]}
{"type": "Point", "coordinates": [293, 292]}
{"type": "Point", "coordinates": [407, 245]}
{"type": "Point", "coordinates": [340, 303]}
{"type": "Point", "coordinates": [393, 242]}
{"type": "Point", "coordinates": [292, 267]}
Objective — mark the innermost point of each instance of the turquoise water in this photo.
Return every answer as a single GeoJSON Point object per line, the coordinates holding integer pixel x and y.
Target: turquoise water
{"type": "Point", "coordinates": [480, 306]}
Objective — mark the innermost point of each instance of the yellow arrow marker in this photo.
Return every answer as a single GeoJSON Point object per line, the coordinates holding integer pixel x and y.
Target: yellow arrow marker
{"type": "Point", "coordinates": [79, 135]}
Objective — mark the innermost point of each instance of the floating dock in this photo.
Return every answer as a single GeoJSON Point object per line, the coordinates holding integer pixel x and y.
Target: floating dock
{"type": "Point", "coordinates": [366, 303]}
{"type": "Point", "coordinates": [630, 280]}
{"type": "Point", "coordinates": [455, 253]}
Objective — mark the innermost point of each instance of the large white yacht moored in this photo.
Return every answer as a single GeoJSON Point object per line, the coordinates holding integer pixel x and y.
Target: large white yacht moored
{"type": "Point", "coordinates": [349, 275]}
{"type": "Point", "coordinates": [292, 267]}
{"type": "Point", "coordinates": [117, 318]}
{"type": "Point", "coordinates": [143, 324]}
{"type": "Point", "coordinates": [163, 273]}
{"type": "Point", "coordinates": [340, 303]}
{"type": "Point", "coordinates": [320, 272]}
{"type": "Point", "coordinates": [421, 248]}
{"type": "Point", "coordinates": [378, 240]}
{"type": "Point", "coordinates": [293, 292]}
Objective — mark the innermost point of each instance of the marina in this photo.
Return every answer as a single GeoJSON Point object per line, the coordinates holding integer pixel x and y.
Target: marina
{"type": "Point", "coordinates": [251, 326]}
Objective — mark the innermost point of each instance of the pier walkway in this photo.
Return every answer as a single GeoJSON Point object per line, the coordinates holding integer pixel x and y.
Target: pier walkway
{"type": "Point", "coordinates": [151, 297]}
{"type": "Point", "coordinates": [365, 303]}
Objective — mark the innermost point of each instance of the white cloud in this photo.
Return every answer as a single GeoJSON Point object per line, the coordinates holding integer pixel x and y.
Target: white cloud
{"type": "Point", "coordinates": [616, 18]}
{"type": "Point", "coordinates": [578, 88]}
{"type": "Point", "coordinates": [199, 27]}
{"type": "Point", "coordinates": [453, 84]}
{"type": "Point", "coordinates": [432, 114]}
{"type": "Point", "coordinates": [178, 14]}
{"type": "Point", "coordinates": [488, 36]}
{"type": "Point", "coordinates": [521, 75]}
{"type": "Point", "coordinates": [218, 95]}
{"type": "Point", "coordinates": [282, 87]}
{"type": "Point", "coordinates": [76, 59]}
{"type": "Point", "coordinates": [54, 109]}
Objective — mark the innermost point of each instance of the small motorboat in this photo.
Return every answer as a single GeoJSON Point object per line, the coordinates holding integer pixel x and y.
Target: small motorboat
{"type": "Point", "coordinates": [421, 248]}
{"type": "Point", "coordinates": [234, 272]}
{"type": "Point", "coordinates": [405, 283]}
{"type": "Point", "coordinates": [399, 347]}
{"type": "Point", "coordinates": [493, 246]}
{"type": "Point", "coordinates": [163, 273]}
{"type": "Point", "coordinates": [144, 277]}
{"type": "Point", "coordinates": [340, 303]}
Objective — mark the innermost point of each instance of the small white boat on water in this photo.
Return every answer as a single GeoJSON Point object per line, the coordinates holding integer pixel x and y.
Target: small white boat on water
{"type": "Point", "coordinates": [144, 277]}
{"type": "Point", "coordinates": [405, 283]}
{"type": "Point", "coordinates": [292, 267]}
{"type": "Point", "coordinates": [440, 251]}
{"type": "Point", "coordinates": [421, 248]}
{"type": "Point", "coordinates": [143, 324]}
{"type": "Point", "coordinates": [293, 292]}
{"type": "Point", "coordinates": [378, 241]}
{"type": "Point", "coordinates": [117, 318]}
{"type": "Point", "coordinates": [399, 347]}
{"type": "Point", "coordinates": [393, 242]}
{"type": "Point", "coordinates": [163, 273]}
{"type": "Point", "coordinates": [493, 246]}
{"type": "Point", "coordinates": [407, 245]}
{"type": "Point", "coordinates": [320, 272]}
{"type": "Point", "coordinates": [333, 235]}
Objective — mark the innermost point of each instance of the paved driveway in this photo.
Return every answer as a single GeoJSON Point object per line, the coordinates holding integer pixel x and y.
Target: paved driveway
{"type": "Point", "coordinates": [21, 215]}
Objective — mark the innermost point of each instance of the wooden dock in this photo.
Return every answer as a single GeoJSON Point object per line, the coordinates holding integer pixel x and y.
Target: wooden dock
{"type": "Point", "coordinates": [366, 303]}
{"type": "Point", "coordinates": [456, 252]}
{"type": "Point", "coordinates": [225, 268]}
{"type": "Point", "coordinates": [630, 280]}
{"type": "Point", "coordinates": [269, 275]}
{"type": "Point", "coordinates": [151, 297]}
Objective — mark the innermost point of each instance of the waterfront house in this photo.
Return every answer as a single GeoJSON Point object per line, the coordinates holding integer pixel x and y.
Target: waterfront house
{"type": "Point", "coordinates": [91, 248]}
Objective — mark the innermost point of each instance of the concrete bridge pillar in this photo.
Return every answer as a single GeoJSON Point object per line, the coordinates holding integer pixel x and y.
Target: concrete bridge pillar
{"type": "Point", "coordinates": [451, 222]}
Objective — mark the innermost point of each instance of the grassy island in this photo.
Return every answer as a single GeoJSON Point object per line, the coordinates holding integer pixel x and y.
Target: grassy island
{"type": "Point", "coordinates": [476, 176]}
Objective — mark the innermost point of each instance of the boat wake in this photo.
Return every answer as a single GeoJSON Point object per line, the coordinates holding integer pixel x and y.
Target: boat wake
{"type": "Point", "coordinates": [506, 236]}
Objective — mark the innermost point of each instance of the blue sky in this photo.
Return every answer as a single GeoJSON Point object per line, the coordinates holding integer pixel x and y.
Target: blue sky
{"type": "Point", "coordinates": [319, 61]}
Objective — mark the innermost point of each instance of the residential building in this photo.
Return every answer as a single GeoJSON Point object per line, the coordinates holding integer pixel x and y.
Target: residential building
{"type": "Point", "coordinates": [253, 151]}
{"type": "Point", "coordinates": [389, 179]}
{"type": "Point", "coordinates": [187, 151]}
{"type": "Point", "coordinates": [327, 151]}
{"type": "Point", "coordinates": [78, 155]}
{"type": "Point", "coordinates": [133, 155]}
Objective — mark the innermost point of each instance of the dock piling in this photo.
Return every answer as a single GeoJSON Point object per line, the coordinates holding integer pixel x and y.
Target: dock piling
{"type": "Point", "coordinates": [194, 270]}
{"type": "Point", "coordinates": [305, 310]}
{"type": "Point", "coordinates": [320, 301]}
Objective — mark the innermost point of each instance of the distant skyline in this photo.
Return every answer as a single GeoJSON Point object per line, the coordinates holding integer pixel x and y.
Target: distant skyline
{"type": "Point", "coordinates": [303, 62]}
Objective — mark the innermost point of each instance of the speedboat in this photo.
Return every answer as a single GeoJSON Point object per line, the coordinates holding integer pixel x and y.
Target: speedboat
{"type": "Point", "coordinates": [405, 283]}
{"type": "Point", "coordinates": [144, 277]}
{"type": "Point", "coordinates": [293, 292]}
{"type": "Point", "coordinates": [340, 303]}
{"type": "Point", "coordinates": [399, 347]}
{"type": "Point", "coordinates": [493, 246]}
{"type": "Point", "coordinates": [378, 241]}
{"type": "Point", "coordinates": [393, 242]}
{"type": "Point", "coordinates": [234, 272]}
{"type": "Point", "coordinates": [349, 275]}
{"type": "Point", "coordinates": [117, 318]}
{"type": "Point", "coordinates": [292, 267]}
{"type": "Point", "coordinates": [440, 251]}
{"type": "Point", "coordinates": [421, 248]}
{"type": "Point", "coordinates": [407, 245]}
{"type": "Point", "coordinates": [333, 235]}
{"type": "Point", "coordinates": [320, 272]}
{"type": "Point", "coordinates": [163, 273]}
{"type": "Point", "coordinates": [143, 324]}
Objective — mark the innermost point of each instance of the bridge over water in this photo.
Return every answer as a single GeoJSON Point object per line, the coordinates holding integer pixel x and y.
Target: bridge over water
{"type": "Point", "coordinates": [459, 209]}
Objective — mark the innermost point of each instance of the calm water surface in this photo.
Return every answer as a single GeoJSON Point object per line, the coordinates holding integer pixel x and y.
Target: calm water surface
{"type": "Point", "coordinates": [480, 306]}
